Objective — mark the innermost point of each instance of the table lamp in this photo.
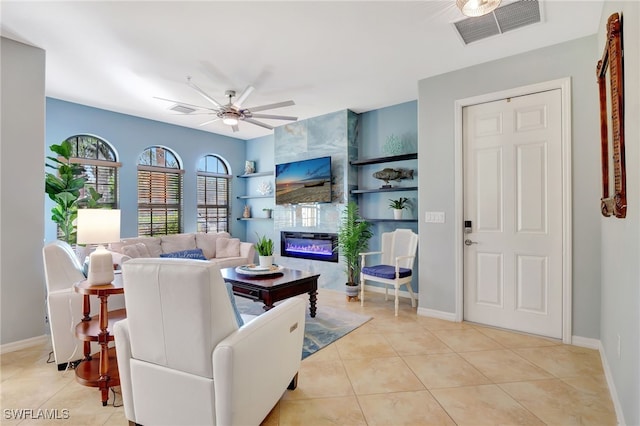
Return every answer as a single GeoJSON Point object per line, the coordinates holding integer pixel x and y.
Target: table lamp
{"type": "Point", "coordinates": [99, 226]}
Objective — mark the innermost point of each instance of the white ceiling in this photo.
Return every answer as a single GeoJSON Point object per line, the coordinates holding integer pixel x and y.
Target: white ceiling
{"type": "Point", "coordinates": [326, 56]}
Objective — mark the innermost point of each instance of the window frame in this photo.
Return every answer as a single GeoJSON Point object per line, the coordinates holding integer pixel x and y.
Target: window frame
{"type": "Point", "coordinates": [164, 209]}
{"type": "Point", "coordinates": [204, 220]}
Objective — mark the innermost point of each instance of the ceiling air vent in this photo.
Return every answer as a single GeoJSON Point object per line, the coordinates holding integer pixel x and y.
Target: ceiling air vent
{"type": "Point", "coordinates": [506, 18]}
{"type": "Point", "coordinates": [182, 109]}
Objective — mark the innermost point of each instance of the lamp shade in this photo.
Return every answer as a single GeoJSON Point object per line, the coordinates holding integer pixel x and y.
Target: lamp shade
{"type": "Point", "coordinates": [98, 226]}
{"type": "Point", "coordinates": [475, 8]}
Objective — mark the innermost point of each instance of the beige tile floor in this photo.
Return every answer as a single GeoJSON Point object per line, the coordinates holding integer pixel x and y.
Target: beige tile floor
{"type": "Point", "coordinates": [408, 370]}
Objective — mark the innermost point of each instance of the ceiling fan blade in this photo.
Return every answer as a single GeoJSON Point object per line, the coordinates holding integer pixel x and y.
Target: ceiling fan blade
{"type": "Point", "coordinates": [243, 97]}
{"type": "Point", "coordinates": [272, 106]}
{"type": "Point", "coordinates": [274, 117]}
{"type": "Point", "coordinates": [204, 94]}
{"type": "Point", "coordinates": [258, 123]}
{"type": "Point", "coordinates": [210, 121]}
{"type": "Point", "coordinates": [184, 103]}
{"type": "Point", "coordinates": [235, 128]}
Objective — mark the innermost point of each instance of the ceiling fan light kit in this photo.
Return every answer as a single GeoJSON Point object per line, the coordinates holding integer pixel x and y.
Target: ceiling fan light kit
{"type": "Point", "coordinates": [475, 8]}
{"type": "Point", "coordinates": [233, 112]}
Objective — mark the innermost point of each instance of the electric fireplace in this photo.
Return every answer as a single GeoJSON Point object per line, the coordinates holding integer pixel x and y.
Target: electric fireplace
{"type": "Point", "coordinates": [309, 245]}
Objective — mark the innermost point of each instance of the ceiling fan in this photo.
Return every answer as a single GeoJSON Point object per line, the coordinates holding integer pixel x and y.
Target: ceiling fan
{"type": "Point", "coordinates": [232, 112]}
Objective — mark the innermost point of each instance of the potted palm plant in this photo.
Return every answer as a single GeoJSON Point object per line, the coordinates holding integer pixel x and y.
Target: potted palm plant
{"type": "Point", "coordinates": [399, 205]}
{"type": "Point", "coordinates": [264, 247]}
{"type": "Point", "coordinates": [354, 234]}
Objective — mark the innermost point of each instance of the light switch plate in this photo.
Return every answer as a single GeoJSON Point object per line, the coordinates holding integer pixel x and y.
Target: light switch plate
{"type": "Point", "coordinates": [434, 217]}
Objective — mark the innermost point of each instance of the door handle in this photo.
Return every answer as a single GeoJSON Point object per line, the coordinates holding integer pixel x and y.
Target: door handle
{"type": "Point", "coordinates": [468, 242]}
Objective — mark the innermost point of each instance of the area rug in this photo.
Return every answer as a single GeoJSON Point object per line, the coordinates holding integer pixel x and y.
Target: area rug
{"type": "Point", "coordinates": [329, 325]}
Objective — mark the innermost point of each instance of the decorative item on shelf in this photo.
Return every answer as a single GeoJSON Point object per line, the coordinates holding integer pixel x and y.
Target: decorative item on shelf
{"type": "Point", "coordinates": [264, 247]}
{"type": "Point", "coordinates": [388, 174]}
{"type": "Point", "coordinates": [393, 146]}
{"type": "Point", "coordinates": [399, 205]}
{"type": "Point", "coordinates": [267, 213]}
{"type": "Point", "coordinates": [265, 188]}
{"type": "Point", "coordinates": [249, 167]}
{"type": "Point", "coordinates": [354, 234]}
{"type": "Point", "coordinates": [99, 226]}
{"type": "Point", "coordinates": [247, 212]}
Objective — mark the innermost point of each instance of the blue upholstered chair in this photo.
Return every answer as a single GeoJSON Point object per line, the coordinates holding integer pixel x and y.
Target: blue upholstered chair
{"type": "Point", "coordinates": [397, 257]}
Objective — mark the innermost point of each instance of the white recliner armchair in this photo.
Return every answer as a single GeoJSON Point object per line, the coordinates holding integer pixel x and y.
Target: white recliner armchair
{"type": "Point", "coordinates": [184, 360]}
{"type": "Point", "coordinates": [62, 271]}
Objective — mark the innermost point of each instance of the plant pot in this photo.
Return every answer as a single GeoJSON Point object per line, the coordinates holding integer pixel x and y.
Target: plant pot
{"type": "Point", "coordinates": [397, 214]}
{"type": "Point", "coordinates": [352, 290]}
{"type": "Point", "coordinates": [265, 261]}
{"type": "Point", "coordinates": [267, 214]}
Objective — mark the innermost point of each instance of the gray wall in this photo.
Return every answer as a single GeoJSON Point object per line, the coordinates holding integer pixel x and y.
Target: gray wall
{"type": "Point", "coordinates": [621, 237]}
{"type": "Point", "coordinates": [21, 190]}
{"type": "Point", "coordinates": [436, 97]}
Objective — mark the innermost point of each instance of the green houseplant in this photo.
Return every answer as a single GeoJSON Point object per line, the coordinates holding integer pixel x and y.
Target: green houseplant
{"type": "Point", "coordinates": [354, 234]}
{"type": "Point", "coordinates": [264, 247]}
{"type": "Point", "coordinates": [399, 205]}
{"type": "Point", "coordinates": [67, 188]}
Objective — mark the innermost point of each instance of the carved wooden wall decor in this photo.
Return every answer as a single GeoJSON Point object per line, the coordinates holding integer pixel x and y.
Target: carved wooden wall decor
{"type": "Point", "coordinates": [610, 72]}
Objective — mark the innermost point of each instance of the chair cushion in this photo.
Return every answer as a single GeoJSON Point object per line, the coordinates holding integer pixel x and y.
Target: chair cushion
{"type": "Point", "coordinates": [385, 271]}
{"type": "Point", "coordinates": [186, 254]}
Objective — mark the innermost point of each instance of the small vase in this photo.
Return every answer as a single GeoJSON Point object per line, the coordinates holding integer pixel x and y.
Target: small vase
{"type": "Point", "coordinates": [397, 214]}
{"type": "Point", "coordinates": [265, 261]}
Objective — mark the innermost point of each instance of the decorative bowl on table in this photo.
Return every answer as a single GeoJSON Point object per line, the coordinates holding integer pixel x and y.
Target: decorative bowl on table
{"type": "Point", "coordinates": [257, 270]}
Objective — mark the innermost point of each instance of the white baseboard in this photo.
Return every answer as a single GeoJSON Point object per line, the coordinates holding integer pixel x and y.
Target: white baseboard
{"type": "Point", "coordinates": [585, 342]}
{"type": "Point", "coordinates": [23, 344]}
{"type": "Point", "coordinates": [432, 313]}
{"type": "Point", "coordinates": [612, 387]}
{"type": "Point", "coordinates": [596, 344]}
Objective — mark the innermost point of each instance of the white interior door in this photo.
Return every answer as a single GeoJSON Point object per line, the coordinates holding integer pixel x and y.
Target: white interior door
{"type": "Point", "coordinates": [513, 196]}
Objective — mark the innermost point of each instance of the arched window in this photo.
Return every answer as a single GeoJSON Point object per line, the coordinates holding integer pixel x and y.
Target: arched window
{"type": "Point", "coordinates": [100, 164]}
{"type": "Point", "coordinates": [159, 192]}
{"type": "Point", "coordinates": [213, 194]}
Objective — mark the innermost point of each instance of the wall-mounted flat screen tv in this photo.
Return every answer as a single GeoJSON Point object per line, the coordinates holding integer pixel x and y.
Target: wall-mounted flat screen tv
{"type": "Point", "coordinates": [305, 181]}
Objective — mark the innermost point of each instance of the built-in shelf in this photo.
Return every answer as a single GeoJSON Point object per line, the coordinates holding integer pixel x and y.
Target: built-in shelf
{"type": "Point", "coordinates": [255, 218]}
{"type": "Point", "coordinates": [401, 157]}
{"type": "Point", "coordinates": [395, 188]}
{"type": "Point", "coordinates": [244, 197]}
{"type": "Point", "coordinates": [258, 174]}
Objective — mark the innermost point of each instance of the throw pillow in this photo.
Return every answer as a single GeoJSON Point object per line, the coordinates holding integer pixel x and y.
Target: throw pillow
{"type": "Point", "coordinates": [136, 250]}
{"type": "Point", "coordinates": [131, 251]}
{"type": "Point", "coordinates": [207, 242]}
{"type": "Point", "coordinates": [227, 247]}
{"type": "Point", "coordinates": [232, 298]}
{"type": "Point", "coordinates": [186, 254]}
{"type": "Point", "coordinates": [177, 242]}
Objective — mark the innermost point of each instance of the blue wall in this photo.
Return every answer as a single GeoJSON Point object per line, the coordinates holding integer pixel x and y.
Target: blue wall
{"type": "Point", "coordinates": [130, 136]}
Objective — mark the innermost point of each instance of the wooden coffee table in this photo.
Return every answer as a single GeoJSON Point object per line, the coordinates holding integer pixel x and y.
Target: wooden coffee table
{"type": "Point", "coordinates": [273, 288]}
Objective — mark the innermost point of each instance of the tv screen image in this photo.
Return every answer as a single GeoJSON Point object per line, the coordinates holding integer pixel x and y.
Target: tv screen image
{"type": "Point", "coordinates": [306, 181]}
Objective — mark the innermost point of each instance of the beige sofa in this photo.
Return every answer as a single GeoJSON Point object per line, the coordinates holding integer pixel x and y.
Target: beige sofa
{"type": "Point", "coordinates": [218, 248]}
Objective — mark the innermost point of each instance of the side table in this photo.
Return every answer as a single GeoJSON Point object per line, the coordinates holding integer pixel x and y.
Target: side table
{"type": "Point", "coordinates": [101, 369]}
